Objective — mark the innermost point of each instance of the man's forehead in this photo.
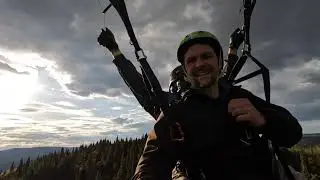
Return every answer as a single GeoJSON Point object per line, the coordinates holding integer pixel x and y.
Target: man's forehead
{"type": "Point", "coordinates": [199, 52]}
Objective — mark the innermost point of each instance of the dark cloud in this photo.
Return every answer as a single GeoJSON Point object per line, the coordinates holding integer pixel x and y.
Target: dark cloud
{"type": "Point", "coordinates": [279, 31]}
{"type": "Point", "coordinates": [311, 73]}
{"type": "Point", "coordinates": [301, 96]}
{"type": "Point", "coordinates": [112, 132]}
{"type": "Point", "coordinates": [29, 110]}
{"type": "Point", "coordinates": [6, 129]}
{"type": "Point", "coordinates": [38, 136]}
{"type": "Point", "coordinates": [37, 105]}
{"type": "Point", "coordinates": [56, 36]}
{"type": "Point", "coordinates": [53, 29]}
{"type": "Point", "coordinates": [309, 111]}
{"type": "Point", "coordinates": [313, 77]}
{"type": "Point", "coordinates": [61, 129]}
{"type": "Point", "coordinates": [120, 120]}
{"type": "Point", "coordinates": [135, 125]}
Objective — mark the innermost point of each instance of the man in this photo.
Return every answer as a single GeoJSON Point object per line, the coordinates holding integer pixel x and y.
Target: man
{"type": "Point", "coordinates": [213, 118]}
{"type": "Point", "coordinates": [178, 86]}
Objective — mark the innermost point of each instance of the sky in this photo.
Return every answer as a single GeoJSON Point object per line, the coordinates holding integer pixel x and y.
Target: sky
{"type": "Point", "coordinates": [60, 88]}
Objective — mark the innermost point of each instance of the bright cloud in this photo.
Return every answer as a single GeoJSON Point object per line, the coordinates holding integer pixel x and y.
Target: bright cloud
{"type": "Point", "coordinates": [201, 10]}
{"type": "Point", "coordinates": [65, 103]}
{"type": "Point", "coordinates": [17, 90]}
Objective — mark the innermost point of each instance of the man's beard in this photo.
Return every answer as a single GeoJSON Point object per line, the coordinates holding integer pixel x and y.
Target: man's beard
{"type": "Point", "coordinates": [206, 70]}
{"type": "Point", "coordinates": [197, 84]}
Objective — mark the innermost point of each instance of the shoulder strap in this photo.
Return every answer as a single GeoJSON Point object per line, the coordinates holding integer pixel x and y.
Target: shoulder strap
{"type": "Point", "coordinates": [225, 90]}
{"type": "Point", "coordinates": [282, 160]}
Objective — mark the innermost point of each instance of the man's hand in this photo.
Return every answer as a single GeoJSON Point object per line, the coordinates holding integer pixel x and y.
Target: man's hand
{"type": "Point", "coordinates": [236, 39]}
{"type": "Point", "coordinates": [244, 111]}
{"type": "Point", "coordinates": [106, 39]}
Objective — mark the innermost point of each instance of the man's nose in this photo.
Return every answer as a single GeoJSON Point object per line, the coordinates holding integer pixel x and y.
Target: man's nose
{"type": "Point", "coordinates": [199, 62]}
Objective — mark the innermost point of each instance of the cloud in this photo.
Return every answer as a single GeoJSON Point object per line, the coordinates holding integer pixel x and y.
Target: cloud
{"type": "Point", "coordinates": [52, 110]}
{"type": "Point", "coordinates": [70, 61]}
{"type": "Point", "coordinates": [65, 103]}
{"type": "Point", "coordinates": [117, 108]}
{"type": "Point", "coordinates": [199, 11]}
{"type": "Point", "coordinates": [71, 131]}
{"type": "Point", "coordinates": [7, 67]}
{"type": "Point", "coordinates": [29, 110]}
{"type": "Point", "coordinates": [310, 127]}
{"type": "Point", "coordinates": [311, 71]}
{"type": "Point", "coordinates": [119, 120]}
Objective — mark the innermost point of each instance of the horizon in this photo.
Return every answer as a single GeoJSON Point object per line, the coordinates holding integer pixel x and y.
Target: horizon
{"type": "Point", "coordinates": [60, 88]}
{"type": "Point", "coordinates": [311, 134]}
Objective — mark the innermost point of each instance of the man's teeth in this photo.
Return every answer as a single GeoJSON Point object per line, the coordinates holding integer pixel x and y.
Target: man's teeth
{"type": "Point", "coordinates": [202, 74]}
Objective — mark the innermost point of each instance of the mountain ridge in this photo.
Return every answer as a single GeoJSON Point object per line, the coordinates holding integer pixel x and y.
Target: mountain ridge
{"type": "Point", "coordinates": [15, 154]}
{"type": "Point", "coordinates": [8, 156]}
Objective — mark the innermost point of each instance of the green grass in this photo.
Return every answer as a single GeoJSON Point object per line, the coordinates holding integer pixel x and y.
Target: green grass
{"type": "Point", "coordinates": [310, 161]}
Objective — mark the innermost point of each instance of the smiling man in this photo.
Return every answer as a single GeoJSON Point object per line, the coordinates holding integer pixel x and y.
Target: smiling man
{"type": "Point", "coordinates": [214, 119]}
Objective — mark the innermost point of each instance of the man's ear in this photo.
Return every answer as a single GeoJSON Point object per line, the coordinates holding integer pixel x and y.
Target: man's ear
{"type": "Point", "coordinates": [221, 62]}
{"type": "Point", "coordinates": [185, 77]}
{"type": "Point", "coordinates": [184, 70]}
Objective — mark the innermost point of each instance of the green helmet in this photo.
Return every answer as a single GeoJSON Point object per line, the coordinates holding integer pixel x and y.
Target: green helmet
{"type": "Point", "coordinates": [202, 37]}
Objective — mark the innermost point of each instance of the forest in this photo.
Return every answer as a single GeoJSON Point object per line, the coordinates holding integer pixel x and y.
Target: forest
{"type": "Point", "coordinates": [106, 160]}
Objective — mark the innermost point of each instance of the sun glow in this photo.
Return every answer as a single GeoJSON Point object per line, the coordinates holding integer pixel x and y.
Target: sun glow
{"type": "Point", "coordinates": [16, 90]}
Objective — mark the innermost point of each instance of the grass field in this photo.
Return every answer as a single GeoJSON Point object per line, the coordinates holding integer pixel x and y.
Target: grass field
{"type": "Point", "coordinates": [310, 160]}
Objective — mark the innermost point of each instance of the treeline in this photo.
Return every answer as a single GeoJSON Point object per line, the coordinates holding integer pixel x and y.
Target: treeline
{"type": "Point", "coordinates": [106, 160]}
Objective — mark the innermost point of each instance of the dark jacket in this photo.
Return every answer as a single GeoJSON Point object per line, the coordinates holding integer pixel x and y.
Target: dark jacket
{"type": "Point", "coordinates": [212, 139]}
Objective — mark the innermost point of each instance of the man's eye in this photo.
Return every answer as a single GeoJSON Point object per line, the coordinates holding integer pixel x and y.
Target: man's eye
{"type": "Point", "coordinates": [206, 56]}
{"type": "Point", "coordinates": [190, 60]}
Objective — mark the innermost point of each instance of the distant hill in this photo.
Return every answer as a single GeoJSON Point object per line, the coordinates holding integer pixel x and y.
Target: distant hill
{"type": "Point", "coordinates": [14, 155]}
{"type": "Point", "coordinates": [111, 160]}
{"type": "Point", "coordinates": [310, 139]}
{"type": "Point", "coordinates": [103, 160]}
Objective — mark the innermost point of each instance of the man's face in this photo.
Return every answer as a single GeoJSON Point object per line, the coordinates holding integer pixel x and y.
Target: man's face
{"type": "Point", "coordinates": [201, 65]}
